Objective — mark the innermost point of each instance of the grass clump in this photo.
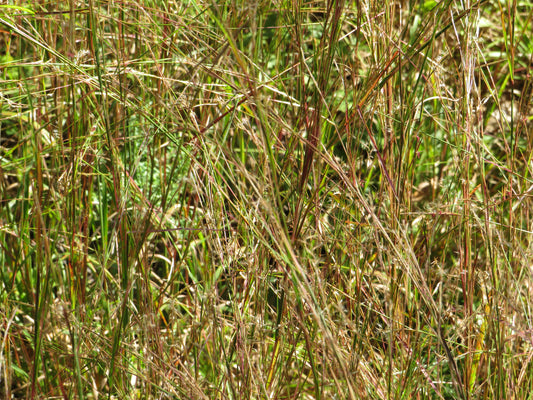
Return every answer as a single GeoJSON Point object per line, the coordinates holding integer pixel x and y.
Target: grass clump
{"type": "Point", "coordinates": [265, 200]}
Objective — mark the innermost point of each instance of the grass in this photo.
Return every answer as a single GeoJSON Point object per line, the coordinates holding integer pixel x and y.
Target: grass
{"type": "Point", "coordinates": [266, 200]}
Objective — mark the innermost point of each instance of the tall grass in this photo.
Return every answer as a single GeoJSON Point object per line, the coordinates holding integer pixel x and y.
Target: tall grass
{"type": "Point", "coordinates": [266, 200]}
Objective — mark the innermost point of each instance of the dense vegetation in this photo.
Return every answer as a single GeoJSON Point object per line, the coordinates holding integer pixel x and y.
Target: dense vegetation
{"type": "Point", "coordinates": [266, 199]}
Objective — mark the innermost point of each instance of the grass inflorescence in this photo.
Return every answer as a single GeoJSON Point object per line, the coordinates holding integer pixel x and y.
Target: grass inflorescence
{"type": "Point", "coordinates": [266, 199]}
